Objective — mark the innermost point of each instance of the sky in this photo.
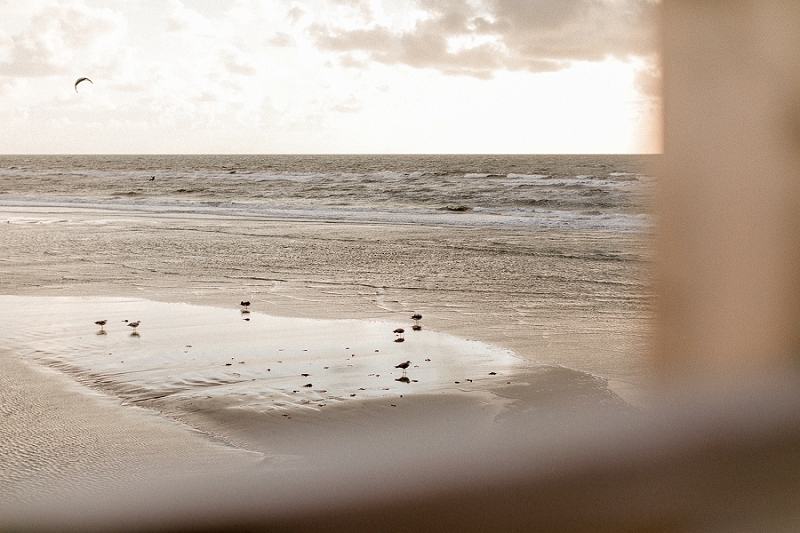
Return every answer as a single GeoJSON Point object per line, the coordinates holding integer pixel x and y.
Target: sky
{"type": "Point", "coordinates": [329, 76]}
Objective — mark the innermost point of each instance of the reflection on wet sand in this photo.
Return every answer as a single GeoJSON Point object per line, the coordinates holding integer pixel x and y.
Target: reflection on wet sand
{"type": "Point", "coordinates": [201, 365]}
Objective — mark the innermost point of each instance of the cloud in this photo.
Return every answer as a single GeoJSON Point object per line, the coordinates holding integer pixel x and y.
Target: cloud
{"type": "Point", "coordinates": [62, 37]}
{"type": "Point", "coordinates": [351, 104]}
{"type": "Point", "coordinates": [235, 61]}
{"type": "Point", "coordinates": [649, 78]}
{"type": "Point", "coordinates": [281, 40]}
{"type": "Point", "coordinates": [295, 14]}
{"type": "Point", "coordinates": [208, 42]}
{"type": "Point", "coordinates": [480, 37]}
{"type": "Point", "coordinates": [184, 20]}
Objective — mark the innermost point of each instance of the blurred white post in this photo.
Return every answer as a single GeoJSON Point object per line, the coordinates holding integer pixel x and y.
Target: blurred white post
{"type": "Point", "coordinates": [729, 237]}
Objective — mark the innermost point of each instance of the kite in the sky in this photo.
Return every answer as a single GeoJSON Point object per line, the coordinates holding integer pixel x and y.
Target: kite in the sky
{"type": "Point", "coordinates": [80, 80]}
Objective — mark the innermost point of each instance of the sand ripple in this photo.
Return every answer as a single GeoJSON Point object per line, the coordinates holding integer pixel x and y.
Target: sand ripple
{"type": "Point", "coordinates": [55, 438]}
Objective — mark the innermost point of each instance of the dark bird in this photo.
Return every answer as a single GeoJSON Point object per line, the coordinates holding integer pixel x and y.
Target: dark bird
{"type": "Point", "coordinates": [101, 323]}
{"type": "Point", "coordinates": [399, 331]}
{"type": "Point", "coordinates": [404, 365]}
{"type": "Point", "coordinates": [134, 325]}
{"type": "Point", "coordinates": [416, 317]}
{"type": "Point", "coordinates": [80, 80]}
{"type": "Point", "coordinates": [245, 304]}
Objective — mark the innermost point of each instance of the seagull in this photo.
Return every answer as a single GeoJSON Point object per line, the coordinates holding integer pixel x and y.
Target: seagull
{"type": "Point", "coordinates": [403, 366]}
{"type": "Point", "coordinates": [399, 331]}
{"type": "Point", "coordinates": [101, 323]}
{"type": "Point", "coordinates": [245, 304]}
{"type": "Point", "coordinates": [416, 317]}
{"type": "Point", "coordinates": [134, 325]}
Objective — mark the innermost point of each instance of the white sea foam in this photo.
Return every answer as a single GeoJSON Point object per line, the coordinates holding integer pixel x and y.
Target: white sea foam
{"type": "Point", "coordinates": [479, 217]}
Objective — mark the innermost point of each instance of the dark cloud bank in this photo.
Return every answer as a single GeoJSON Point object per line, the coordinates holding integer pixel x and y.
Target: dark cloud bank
{"type": "Point", "coordinates": [532, 35]}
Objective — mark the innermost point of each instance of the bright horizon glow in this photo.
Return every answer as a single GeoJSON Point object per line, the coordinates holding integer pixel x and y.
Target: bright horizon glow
{"type": "Point", "coordinates": [283, 77]}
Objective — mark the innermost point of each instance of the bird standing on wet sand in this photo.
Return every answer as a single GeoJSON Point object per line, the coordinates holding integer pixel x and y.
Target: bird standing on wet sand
{"type": "Point", "coordinates": [403, 366]}
{"type": "Point", "coordinates": [416, 317]}
{"type": "Point", "coordinates": [101, 323]}
{"type": "Point", "coordinates": [399, 332]}
{"type": "Point", "coordinates": [134, 325]}
{"type": "Point", "coordinates": [245, 304]}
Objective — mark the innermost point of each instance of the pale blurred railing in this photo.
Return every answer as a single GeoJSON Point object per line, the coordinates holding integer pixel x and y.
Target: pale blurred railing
{"type": "Point", "coordinates": [729, 198]}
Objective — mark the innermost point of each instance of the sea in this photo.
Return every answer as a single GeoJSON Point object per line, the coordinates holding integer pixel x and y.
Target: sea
{"type": "Point", "coordinates": [581, 192]}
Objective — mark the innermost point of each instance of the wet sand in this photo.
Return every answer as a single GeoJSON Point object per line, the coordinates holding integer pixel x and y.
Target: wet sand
{"type": "Point", "coordinates": [58, 438]}
{"type": "Point", "coordinates": [281, 385]}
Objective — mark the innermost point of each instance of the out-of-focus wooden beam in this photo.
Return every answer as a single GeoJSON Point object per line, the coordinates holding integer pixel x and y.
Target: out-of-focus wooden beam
{"type": "Point", "coordinates": [729, 214]}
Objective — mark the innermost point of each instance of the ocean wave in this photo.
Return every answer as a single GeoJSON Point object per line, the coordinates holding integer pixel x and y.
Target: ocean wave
{"type": "Point", "coordinates": [451, 215]}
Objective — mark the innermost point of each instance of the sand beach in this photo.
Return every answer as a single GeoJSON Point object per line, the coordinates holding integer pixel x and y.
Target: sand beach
{"type": "Point", "coordinates": [64, 269]}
